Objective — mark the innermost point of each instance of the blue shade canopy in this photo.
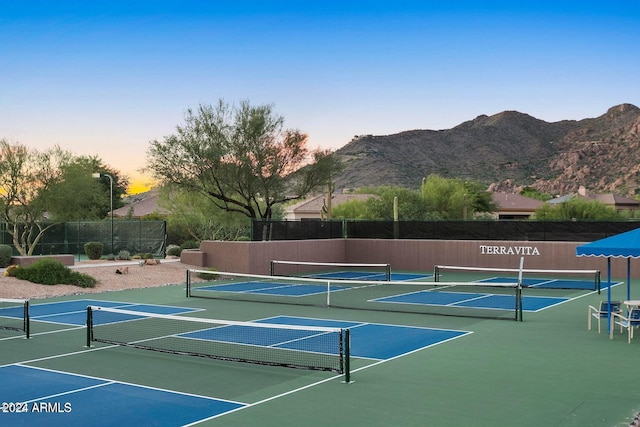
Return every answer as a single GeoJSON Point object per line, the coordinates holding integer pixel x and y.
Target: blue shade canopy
{"type": "Point", "coordinates": [624, 245]}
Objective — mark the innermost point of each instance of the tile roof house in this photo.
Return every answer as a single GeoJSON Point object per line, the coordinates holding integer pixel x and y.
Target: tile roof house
{"type": "Point", "coordinates": [618, 202]}
{"type": "Point", "coordinates": [140, 205]}
{"type": "Point", "coordinates": [312, 208]}
{"type": "Point", "coordinates": [514, 206]}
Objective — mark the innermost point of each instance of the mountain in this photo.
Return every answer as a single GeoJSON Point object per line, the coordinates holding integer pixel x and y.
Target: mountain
{"type": "Point", "coordinates": [506, 151]}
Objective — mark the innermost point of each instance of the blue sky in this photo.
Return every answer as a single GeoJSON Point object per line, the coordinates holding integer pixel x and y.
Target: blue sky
{"type": "Point", "coordinates": [105, 78]}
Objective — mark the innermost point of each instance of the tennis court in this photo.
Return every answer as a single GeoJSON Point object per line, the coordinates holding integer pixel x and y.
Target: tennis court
{"type": "Point", "coordinates": [497, 298]}
{"type": "Point", "coordinates": [407, 368]}
{"type": "Point", "coordinates": [35, 395]}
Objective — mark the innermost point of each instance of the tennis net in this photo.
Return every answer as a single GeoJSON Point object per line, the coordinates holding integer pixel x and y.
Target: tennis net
{"type": "Point", "coordinates": [483, 300]}
{"type": "Point", "coordinates": [531, 278]}
{"type": "Point", "coordinates": [331, 270]}
{"type": "Point", "coordinates": [307, 347]}
{"type": "Point", "coordinates": [14, 315]}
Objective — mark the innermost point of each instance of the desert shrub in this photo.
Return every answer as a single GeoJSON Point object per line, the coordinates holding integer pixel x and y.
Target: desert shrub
{"type": "Point", "coordinates": [174, 250]}
{"type": "Point", "coordinates": [48, 271]}
{"type": "Point", "coordinates": [5, 255]}
{"type": "Point", "coordinates": [11, 271]}
{"type": "Point", "coordinates": [124, 255]}
{"type": "Point", "coordinates": [190, 244]}
{"type": "Point", "coordinates": [93, 250]}
{"type": "Point", "coordinates": [82, 280]}
{"type": "Point", "coordinates": [148, 255]}
{"type": "Point", "coordinates": [208, 275]}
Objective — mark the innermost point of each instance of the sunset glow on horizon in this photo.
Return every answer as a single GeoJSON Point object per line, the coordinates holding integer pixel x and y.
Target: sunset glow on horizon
{"type": "Point", "coordinates": [107, 78]}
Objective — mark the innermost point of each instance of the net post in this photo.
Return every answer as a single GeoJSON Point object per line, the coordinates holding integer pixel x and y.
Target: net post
{"type": "Point", "coordinates": [436, 273]}
{"type": "Point", "coordinates": [519, 302]}
{"type": "Point", "coordinates": [272, 268]}
{"type": "Point", "coordinates": [598, 281]}
{"type": "Point", "coordinates": [27, 320]}
{"type": "Point", "coordinates": [328, 293]}
{"type": "Point", "coordinates": [188, 283]}
{"type": "Point", "coordinates": [347, 355]}
{"type": "Point", "coordinates": [387, 272]}
{"type": "Point", "coordinates": [89, 325]}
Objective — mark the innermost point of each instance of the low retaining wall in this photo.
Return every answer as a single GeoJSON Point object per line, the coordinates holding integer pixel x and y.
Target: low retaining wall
{"type": "Point", "coordinates": [25, 260]}
{"type": "Point", "coordinates": [411, 255]}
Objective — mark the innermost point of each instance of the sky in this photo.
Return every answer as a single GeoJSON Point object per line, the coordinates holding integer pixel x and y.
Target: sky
{"type": "Point", "coordinates": [104, 78]}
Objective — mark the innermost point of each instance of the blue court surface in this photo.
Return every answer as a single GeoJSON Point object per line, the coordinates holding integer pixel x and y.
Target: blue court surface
{"type": "Point", "coordinates": [289, 289]}
{"type": "Point", "coordinates": [75, 312]}
{"type": "Point", "coordinates": [271, 288]}
{"type": "Point", "coordinates": [39, 396]}
{"type": "Point", "coordinates": [378, 341]}
{"type": "Point", "coordinates": [45, 397]}
{"type": "Point", "coordinates": [531, 282]}
{"type": "Point", "coordinates": [473, 300]}
{"type": "Point", "coordinates": [424, 297]}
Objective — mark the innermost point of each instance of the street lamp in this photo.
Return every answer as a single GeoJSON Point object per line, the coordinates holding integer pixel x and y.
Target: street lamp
{"type": "Point", "coordinates": [100, 175]}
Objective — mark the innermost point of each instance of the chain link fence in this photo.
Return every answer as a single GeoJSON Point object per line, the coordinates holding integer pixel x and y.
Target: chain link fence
{"type": "Point", "coordinates": [134, 236]}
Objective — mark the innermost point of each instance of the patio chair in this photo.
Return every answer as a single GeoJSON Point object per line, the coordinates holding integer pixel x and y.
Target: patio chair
{"type": "Point", "coordinates": [629, 323]}
{"type": "Point", "coordinates": [602, 312]}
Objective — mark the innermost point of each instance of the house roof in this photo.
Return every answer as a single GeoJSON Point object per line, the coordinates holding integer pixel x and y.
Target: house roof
{"type": "Point", "coordinates": [608, 199]}
{"type": "Point", "coordinates": [614, 199]}
{"type": "Point", "coordinates": [315, 203]}
{"type": "Point", "coordinates": [141, 205]}
{"type": "Point", "coordinates": [515, 202]}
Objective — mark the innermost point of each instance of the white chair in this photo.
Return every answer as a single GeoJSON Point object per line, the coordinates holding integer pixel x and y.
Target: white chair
{"type": "Point", "coordinates": [629, 323]}
{"type": "Point", "coordinates": [602, 312]}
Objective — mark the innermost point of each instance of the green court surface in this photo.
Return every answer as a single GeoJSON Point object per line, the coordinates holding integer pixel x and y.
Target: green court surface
{"type": "Point", "coordinates": [548, 370]}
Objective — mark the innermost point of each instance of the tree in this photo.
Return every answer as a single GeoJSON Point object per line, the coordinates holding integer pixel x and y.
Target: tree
{"type": "Point", "coordinates": [120, 184]}
{"type": "Point", "coordinates": [194, 217]}
{"type": "Point", "coordinates": [576, 209]}
{"type": "Point", "coordinates": [352, 209]}
{"type": "Point", "coordinates": [242, 158]}
{"type": "Point", "coordinates": [476, 199]}
{"type": "Point", "coordinates": [535, 194]}
{"type": "Point", "coordinates": [41, 189]}
{"type": "Point", "coordinates": [455, 198]}
{"type": "Point", "coordinates": [410, 204]}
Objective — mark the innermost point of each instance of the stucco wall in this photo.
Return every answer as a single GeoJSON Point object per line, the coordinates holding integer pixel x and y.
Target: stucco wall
{"type": "Point", "coordinates": [412, 255]}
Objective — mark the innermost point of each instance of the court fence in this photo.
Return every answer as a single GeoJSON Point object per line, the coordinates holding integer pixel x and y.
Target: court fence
{"type": "Point", "coordinates": [134, 236]}
{"type": "Point", "coordinates": [516, 230]}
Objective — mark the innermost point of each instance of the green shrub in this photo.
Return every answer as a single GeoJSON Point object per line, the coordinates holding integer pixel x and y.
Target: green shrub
{"type": "Point", "coordinates": [243, 239]}
{"type": "Point", "coordinates": [93, 250]}
{"type": "Point", "coordinates": [124, 255]}
{"type": "Point", "coordinates": [174, 250]}
{"type": "Point", "coordinates": [205, 275]}
{"type": "Point", "coordinates": [48, 271]}
{"type": "Point", "coordinates": [190, 244]}
{"type": "Point", "coordinates": [11, 271]}
{"type": "Point", "coordinates": [5, 255]}
{"type": "Point", "coordinates": [81, 280]}
{"type": "Point", "coordinates": [148, 255]}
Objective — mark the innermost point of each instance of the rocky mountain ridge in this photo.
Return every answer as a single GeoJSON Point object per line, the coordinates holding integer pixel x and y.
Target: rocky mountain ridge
{"type": "Point", "coordinates": [506, 151]}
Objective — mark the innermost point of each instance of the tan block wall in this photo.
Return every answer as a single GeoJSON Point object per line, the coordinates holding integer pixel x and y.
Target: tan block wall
{"type": "Point", "coordinates": [411, 255]}
{"type": "Point", "coordinates": [255, 257]}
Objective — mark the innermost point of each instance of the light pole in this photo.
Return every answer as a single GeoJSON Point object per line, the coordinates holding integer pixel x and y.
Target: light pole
{"type": "Point", "coordinates": [100, 175]}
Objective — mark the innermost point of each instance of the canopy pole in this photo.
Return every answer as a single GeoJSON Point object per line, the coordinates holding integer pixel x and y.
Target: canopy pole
{"type": "Point", "coordinates": [609, 293]}
{"type": "Point", "coordinates": [628, 278]}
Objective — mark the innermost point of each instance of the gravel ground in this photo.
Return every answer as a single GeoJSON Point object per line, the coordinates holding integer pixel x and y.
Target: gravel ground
{"type": "Point", "coordinates": [168, 272]}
